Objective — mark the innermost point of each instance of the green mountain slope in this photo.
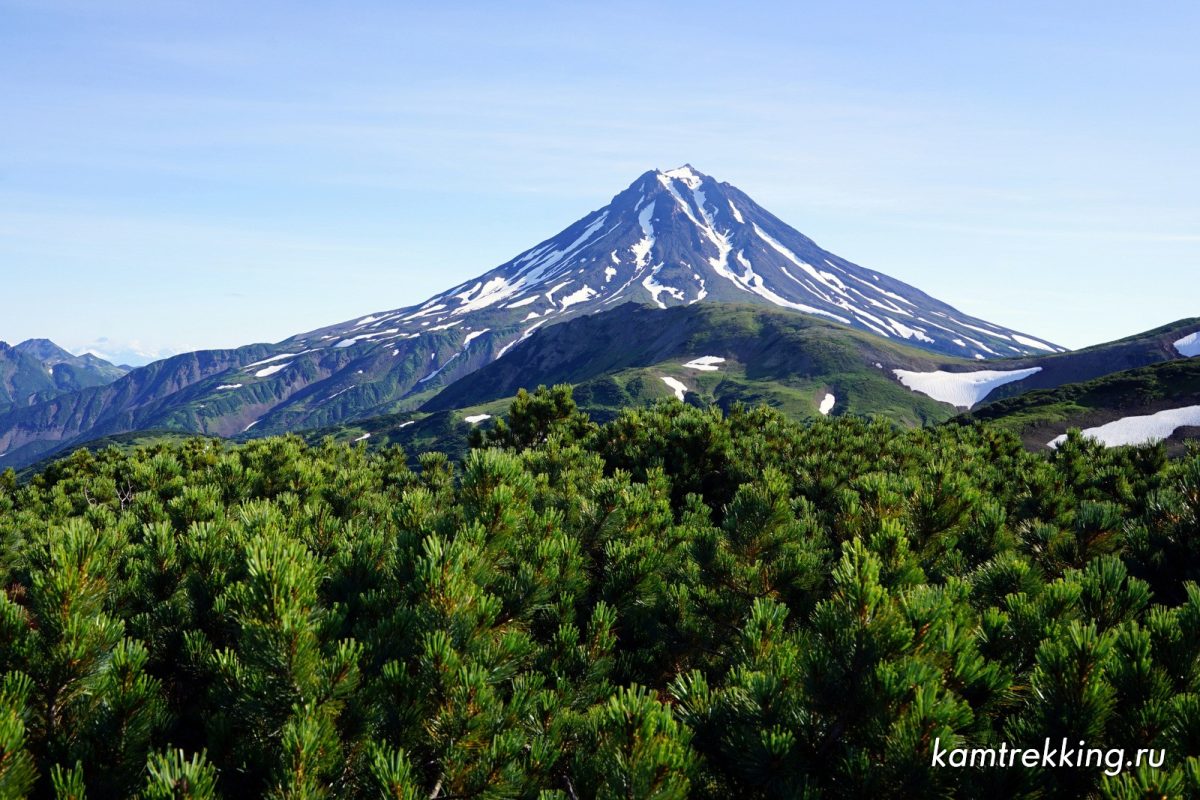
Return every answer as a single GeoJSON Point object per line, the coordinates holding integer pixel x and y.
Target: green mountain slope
{"type": "Point", "coordinates": [621, 357]}
{"type": "Point", "coordinates": [787, 361]}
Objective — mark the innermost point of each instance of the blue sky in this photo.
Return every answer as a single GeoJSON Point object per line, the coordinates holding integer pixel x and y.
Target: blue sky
{"type": "Point", "coordinates": [179, 175]}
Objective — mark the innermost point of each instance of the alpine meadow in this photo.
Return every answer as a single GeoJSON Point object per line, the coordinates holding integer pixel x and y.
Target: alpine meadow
{"type": "Point", "coordinates": [552, 401]}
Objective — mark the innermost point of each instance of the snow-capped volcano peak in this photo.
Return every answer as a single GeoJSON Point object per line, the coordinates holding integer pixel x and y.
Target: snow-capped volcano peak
{"type": "Point", "coordinates": [672, 237]}
{"type": "Point", "coordinates": [676, 237]}
{"type": "Point", "coordinates": [686, 174]}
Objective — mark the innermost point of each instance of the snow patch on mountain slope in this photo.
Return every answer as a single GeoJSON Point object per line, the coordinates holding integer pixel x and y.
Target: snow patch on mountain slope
{"type": "Point", "coordinates": [981, 346]}
{"type": "Point", "coordinates": [752, 282]}
{"type": "Point", "coordinates": [1189, 345]}
{"type": "Point", "coordinates": [1140, 429]}
{"type": "Point", "coordinates": [578, 296]}
{"type": "Point", "coordinates": [543, 267]}
{"type": "Point", "coordinates": [534, 253]}
{"type": "Point", "coordinates": [827, 404]}
{"type": "Point", "coordinates": [705, 363]}
{"type": "Point", "coordinates": [279, 357]}
{"type": "Point", "coordinates": [473, 335]}
{"type": "Point", "coordinates": [997, 334]}
{"type": "Point", "coordinates": [528, 332]}
{"type": "Point", "coordinates": [875, 287]}
{"type": "Point", "coordinates": [655, 288]}
{"type": "Point", "coordinates": [822, 277]}
{"type": "Point", "coordinates": [267, 371]}
{"type": "Point", "coordinates": [424, 312]}
{"type": "Point", "coordinates": [1031, 342]}
{"type": "Point", "coordinates": [554, 289]}
{"type": "Point", "coordinates": [435, 373]}
{"type": "Point", "coordinates": [907, 332]}
{"type": "Point", "coordinates": [525, 302]}
{"type": "Point", "coordinates": [465, 296]}
{"type": "Point", "coordinates": [676, 385]}
{"type": "Point", "coordinates": [490, 293]}
{"type": "Point", "coordinates": [475, 419]}
{"type": "Point", "coordinates": [229, 386]}
{"type": "Point", "coordinates": [641, 250]}
{"type": "Point", "coordinates": [961, 389]}
{"type": "Point", "coordinates": [684, 175]}
{"type": "Point", "coordinates": [350, 340]}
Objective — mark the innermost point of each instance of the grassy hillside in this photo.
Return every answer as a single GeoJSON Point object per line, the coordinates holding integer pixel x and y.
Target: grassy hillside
{"type": "Point", "coordinates": [784, 360]}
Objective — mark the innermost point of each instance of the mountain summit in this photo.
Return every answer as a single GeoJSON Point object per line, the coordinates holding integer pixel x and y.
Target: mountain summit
{"type": "Point", "coordinates": [680, 237]}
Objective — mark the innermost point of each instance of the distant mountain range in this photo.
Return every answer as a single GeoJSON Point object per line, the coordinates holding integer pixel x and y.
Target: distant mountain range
{"type": "Point", "coordinates": [37, 370]}
{"type": "Point", "coordinates": [675, 264]}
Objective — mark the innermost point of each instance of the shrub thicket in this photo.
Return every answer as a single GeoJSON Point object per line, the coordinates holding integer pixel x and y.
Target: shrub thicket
{"type": "Point", "coordinates": [675, 604]}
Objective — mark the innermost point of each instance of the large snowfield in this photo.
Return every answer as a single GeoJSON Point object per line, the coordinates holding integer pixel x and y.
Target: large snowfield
{"type": "Point", "coordinates": [1139, 430]}
{"type": "Point", "coordinates": [1189, 345]}
{"type": "Point", "coordinates": [961, 389]}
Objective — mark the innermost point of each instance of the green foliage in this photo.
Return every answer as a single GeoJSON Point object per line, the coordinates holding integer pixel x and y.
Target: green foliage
{"type": "Point", "coordinates": [677, 603]}
{"type": "Point", "coordinates": [534, 418]}
{"type": "Point", "coordinates": [17, 771]}
{"type": "Point", "coordinates": [172, 776]}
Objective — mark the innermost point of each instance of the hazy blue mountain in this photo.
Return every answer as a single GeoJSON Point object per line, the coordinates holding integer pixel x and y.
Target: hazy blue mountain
{"type": "Point", "coordinates": [38, 369]}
